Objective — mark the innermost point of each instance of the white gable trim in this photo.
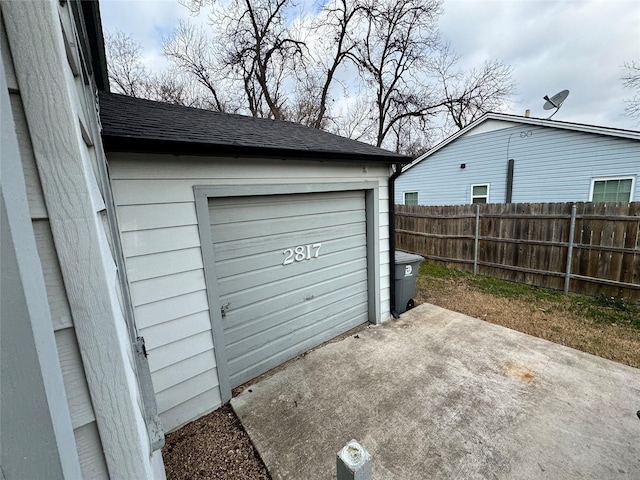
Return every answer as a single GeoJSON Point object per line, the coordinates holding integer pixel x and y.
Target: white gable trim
{"type": "Point", "coordinates": [490, 125]}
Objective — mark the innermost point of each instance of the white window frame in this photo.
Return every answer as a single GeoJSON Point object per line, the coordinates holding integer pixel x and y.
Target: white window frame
{"type": "Point", "coordinates": [404, 197]}
{"type": "Point", "coordinates": [488, 185]}
{"type": "Point", "coordinates": [618, 177]}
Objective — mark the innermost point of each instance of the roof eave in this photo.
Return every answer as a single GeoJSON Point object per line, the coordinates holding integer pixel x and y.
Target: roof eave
{"type": "Point", "coordinates": [147, 145]}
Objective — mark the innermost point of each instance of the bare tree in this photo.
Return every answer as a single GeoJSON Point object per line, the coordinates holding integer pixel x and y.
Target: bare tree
{"type": "Point", "coordinates": [631, 80]}
{"type": "Point", "coordinates": [172, 86]}
{"type": "Point", "coordinates": [353, 120]}
{"type": "Point", "coordinates": [258, 48]}
{"type": "Point", "coordinates": [334, 43]}
{"type": "Point", "coordinates": [469, 95]}
{"type": "Point", "coordinates": [126, 70]}
{"type": "Point", "coordinates": [192, 52]}
{"type": "Point", "coordinates": [391, 55]}
{"type": "Point", "coordinates": [374, 70]}
{"type": "Point", "coordinates": [129, 75]}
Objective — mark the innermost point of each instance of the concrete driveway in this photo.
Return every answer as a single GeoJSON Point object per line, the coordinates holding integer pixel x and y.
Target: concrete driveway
{"type": "Point", "coordinates": [441, 395]}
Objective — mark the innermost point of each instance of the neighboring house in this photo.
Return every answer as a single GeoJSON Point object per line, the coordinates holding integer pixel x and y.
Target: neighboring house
{"type": "Point", "coordinates": [227, 224]}
{"type": "Point", "coordinates": [247, 242]}
{"type": "Point", "coordinates": [511, 159]}
{"type": "Point", "coordinates": [72, 382]}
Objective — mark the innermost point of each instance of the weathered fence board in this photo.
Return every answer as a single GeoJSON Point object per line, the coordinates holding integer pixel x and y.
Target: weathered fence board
{"type": "Point", "coordinates": [529, 243]}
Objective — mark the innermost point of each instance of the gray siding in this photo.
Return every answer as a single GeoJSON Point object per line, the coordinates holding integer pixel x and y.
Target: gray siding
{"type": "Point", "coordinates": [58, 144]}
{"type": "Point", "coordinates": [551, 165]}
{"type": "Point", "coordinates": [31, 383]}
{"type": "Point", "coordinates": [75, 383]}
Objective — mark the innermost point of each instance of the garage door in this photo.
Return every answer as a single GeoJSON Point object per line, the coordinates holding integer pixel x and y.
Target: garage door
{"type": "Point", "coordinates": [291, 273]}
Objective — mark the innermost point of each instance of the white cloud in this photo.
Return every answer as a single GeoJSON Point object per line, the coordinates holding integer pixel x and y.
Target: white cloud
{"type": "Point", "coordinates": [552, 45]}
{"type": "Point", "coordinates": [148, 21]}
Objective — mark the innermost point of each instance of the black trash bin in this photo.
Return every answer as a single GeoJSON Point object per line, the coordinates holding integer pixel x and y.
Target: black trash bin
{"type": "Point", "coordinates": [407, 265]}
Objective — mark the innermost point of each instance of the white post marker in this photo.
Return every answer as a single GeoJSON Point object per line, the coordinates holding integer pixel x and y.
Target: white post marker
{"type": "Point", "coordinates": [353, 462]}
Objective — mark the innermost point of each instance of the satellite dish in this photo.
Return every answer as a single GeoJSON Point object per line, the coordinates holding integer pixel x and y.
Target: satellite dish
{"type": "Point", "coordinates": [555, 102]}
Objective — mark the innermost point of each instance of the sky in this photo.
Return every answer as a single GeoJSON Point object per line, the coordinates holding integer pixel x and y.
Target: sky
{"type": "Point", "coordinates": [578, 45]}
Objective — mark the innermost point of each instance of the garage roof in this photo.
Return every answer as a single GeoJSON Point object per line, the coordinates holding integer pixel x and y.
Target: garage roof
{"type": "Point", "coordinates": [137, 125]}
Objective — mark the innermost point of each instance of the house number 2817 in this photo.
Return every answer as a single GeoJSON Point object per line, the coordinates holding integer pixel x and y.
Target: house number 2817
{"type": "Point", "coordinates": [301, 253]}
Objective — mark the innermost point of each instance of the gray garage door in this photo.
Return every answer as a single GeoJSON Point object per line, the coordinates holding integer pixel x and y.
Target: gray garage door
{"type": "Point", "coordinates": [291, 273]}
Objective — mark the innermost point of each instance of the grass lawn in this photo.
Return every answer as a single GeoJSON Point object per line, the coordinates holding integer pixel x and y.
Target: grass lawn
{"type": "Point", "coordinates": [606, 327]}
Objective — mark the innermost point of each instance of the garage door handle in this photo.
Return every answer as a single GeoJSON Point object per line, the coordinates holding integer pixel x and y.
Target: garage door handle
{"type": "Point", "coordinates": [223, 309]}
{"type": "Point", "coordinates": [309, 297]}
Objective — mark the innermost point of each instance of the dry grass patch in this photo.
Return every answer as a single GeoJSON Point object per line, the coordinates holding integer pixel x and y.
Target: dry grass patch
{"type": "Point", "coordinates": [607, 328]}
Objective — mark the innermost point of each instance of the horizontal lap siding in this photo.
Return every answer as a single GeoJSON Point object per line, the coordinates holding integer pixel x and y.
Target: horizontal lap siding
{"type": "Point", "coordinates": [156, 214]}
{"type": "Point", "coordinates": [92, 462]}
{"type": "Point", "coordinates": [550, 165]}
{"type": "Point", "coordinates": [559, 165]}
{"type": "Point", "coordinates": [76, 386]}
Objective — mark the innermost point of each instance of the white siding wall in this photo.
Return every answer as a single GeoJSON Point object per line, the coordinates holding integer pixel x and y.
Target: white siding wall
{"type": "Point", "coordinates": [551, 165]}
{"type": "Point", "coordinates": [157, 217]}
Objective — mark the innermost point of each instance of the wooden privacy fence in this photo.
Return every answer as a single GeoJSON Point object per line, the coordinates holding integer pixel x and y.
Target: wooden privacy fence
{"type": "Point", "coordinates": [590, 248]}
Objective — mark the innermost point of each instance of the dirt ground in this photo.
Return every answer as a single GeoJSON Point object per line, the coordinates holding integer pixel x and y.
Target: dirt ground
{"type": "Point", "coordinates": [217, 447]}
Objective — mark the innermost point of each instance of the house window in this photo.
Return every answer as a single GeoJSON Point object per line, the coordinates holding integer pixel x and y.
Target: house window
{"type": "Point", "coordinates": [480, 193]}
{"type": "Point", "coordinates": [411, 198]}
{"type": "Point", "coordinates": [611, 189]}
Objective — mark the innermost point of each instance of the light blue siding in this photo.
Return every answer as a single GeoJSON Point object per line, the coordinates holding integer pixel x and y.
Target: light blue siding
{"type": "Point", "coordinates": [551, 165]}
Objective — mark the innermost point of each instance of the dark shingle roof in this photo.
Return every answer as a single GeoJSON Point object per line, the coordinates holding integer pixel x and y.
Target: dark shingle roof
{"type": "Point", "coordinates": [137, 125]}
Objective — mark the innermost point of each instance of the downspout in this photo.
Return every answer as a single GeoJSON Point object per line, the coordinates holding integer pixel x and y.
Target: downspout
{"type": "Point", "coordinates": [392, 238]}
{"type": "Point", "coordinates": [510, 165]}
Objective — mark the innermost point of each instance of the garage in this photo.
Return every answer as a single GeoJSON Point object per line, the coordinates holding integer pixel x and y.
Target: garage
{"type": "Point", "coordinates": [246, 242]}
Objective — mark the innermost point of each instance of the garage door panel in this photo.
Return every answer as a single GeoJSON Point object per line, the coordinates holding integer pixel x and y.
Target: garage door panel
{"type": "Point", "coordinates": [285, 200]}
{"type": "Point", "coordinates": [278, 301]}
{"type": "Point", "coordinates": [240, 249]}
{"type": "Point", "coordinates": [261, 360]}
{"type": "Point", "coordinates": [293, 305]}
{"type": "Point", "coordinates": [263, 277]}
{"type": "Point", "coordinates": [326, 291]}
{"type": "Point", "coordinates": [235, 332]}
{"type": "Point", "coordinates": [295, 206]}
{"type": "Point", "coordinates": [302, 286]}
{"type": "Point", "coordinates": [275, 258]}
{"type": "Point", "coordinates": [270, 227]}
{"type": "Point", "coordinates": [301, 323]}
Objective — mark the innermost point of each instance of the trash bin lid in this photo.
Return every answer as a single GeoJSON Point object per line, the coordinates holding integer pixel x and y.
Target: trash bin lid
{"type": "Point", "coordinates": [404, 257]}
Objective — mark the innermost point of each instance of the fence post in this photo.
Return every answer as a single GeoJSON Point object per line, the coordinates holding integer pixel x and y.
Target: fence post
{"type": "Point", "coordinates": [572, 228]}
{"type": "Point", "coordinates": [475, 247]}
{"type": "Point", "coordinates": [353, 462]}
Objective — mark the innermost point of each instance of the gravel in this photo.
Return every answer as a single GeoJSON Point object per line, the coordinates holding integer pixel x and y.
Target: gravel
{"type": "Point", "coordinates": [215, 446]}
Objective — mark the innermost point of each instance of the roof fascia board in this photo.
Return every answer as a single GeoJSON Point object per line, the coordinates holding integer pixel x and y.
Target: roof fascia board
{"type": "Point", "coordinates": [580, 127]}
{"type": "Point", "coordinates": [137, 145]}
